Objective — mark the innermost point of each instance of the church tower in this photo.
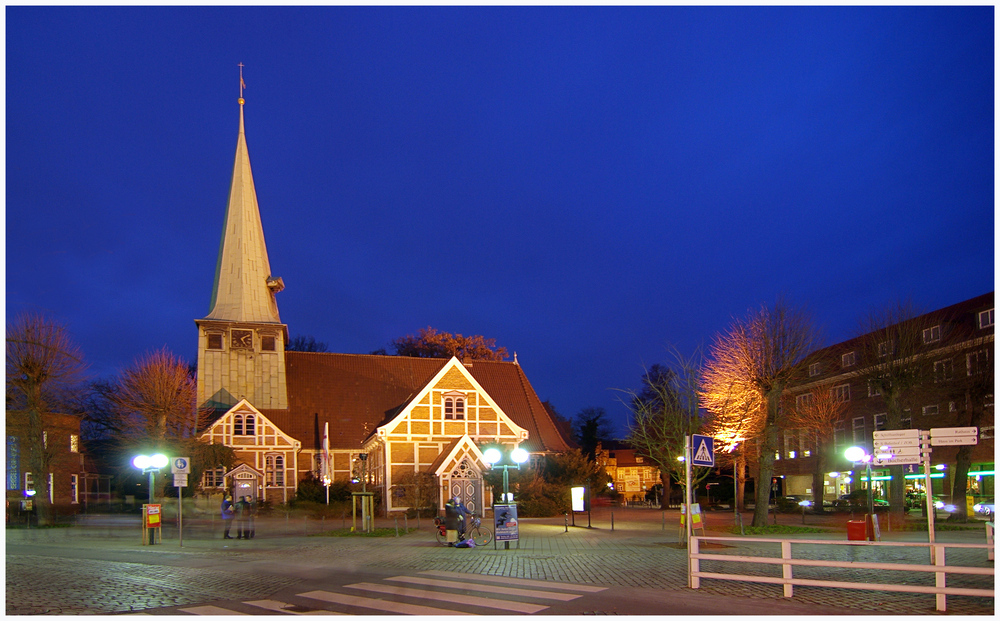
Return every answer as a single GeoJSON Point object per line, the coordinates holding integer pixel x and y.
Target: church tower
{"type": "Point", "coordinates": [241, 342]}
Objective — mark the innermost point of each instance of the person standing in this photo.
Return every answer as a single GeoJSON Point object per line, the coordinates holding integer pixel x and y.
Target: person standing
{"type": "Point", "coordinates": [251, 516]}
{"type": "Point", "coordinates": [242, 514]}
{"type": "Point", "coordinates": [454, 516]}
{"type": "Point", "coordinates": [227, 514]}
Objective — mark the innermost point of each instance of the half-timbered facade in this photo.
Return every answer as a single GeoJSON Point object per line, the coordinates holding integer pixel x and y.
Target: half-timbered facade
{"type": "Point", "coordinates": [401, 415]}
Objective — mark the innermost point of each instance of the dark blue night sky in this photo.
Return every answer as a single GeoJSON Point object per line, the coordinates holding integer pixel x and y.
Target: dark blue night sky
{"type": "Point", "coordinates": [586, 185]}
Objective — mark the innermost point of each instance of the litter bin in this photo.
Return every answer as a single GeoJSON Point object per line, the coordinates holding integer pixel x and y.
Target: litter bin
{"type": "Point", "coordinates": [856, 530]}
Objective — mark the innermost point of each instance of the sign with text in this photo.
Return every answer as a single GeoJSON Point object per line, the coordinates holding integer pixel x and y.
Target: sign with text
{"type": "Point", "coordinates": [896, 434]}
{"type": "Point", "coordinates": [897, 450]}
{"type": "Point", "coordinates": [954, 440]}
{"type": "Point", "coordinates": [180, 480]}
{"type": "Point", "coordinates": [576, 496]}
{"type": "Point", "coordinates": [180, 465]}
{"type": "Point", "coordinates": [896, 460]}
{"type": "Point", "coordinates": [898, 442]}
{"type": "Point", "coordinates": [505, 522]}
{"type": "Point", "coordinates": [943, 432]}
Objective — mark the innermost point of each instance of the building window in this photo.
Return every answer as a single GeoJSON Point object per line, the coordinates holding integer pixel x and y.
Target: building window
{"type": "Point", "coordinates": [74, 443]}
{"type": "Point", "coordinates": [814, 369]}
{"type": "Point", "coordinates": [249, 425]}
{"type": "Point", "coordinates": [986, 318]}
{"type": "Point", "coordinates": [454, 408]}
{"type": "Point", "coordinates": [930, 410]}
{"type": "Point", "coordinates": [13, 463]}
{"type": "Point", "coordinates": [238, 425]}
{"type": "Point", "coordinates": [942, 370]}
{"type": "Point", "coordinates": [839, 435]}
{"type": "Point", "coordinates": [841, 393]}
{"type": "Point", "coordinates": [214, 341]}
{"type": "Point", "coordinates": [885, 348]}
{"type": "Point", "coordinates": [932, 335]}
{"type": "Point", "coordinates": [274, 470]}
{"type": "Point", "coordinates": [638, 460]}
{"type": "Point", "coordinates": [29, 481]}
{"type": "Point", "coordinates": [906, 421]}
{"type": "Point", "coordinates": [880, 421]}
{"type": "Point", "coordinates": [873, 389]}
{"type": "Point", "coordinates": [267, 343]}
{"type": "Point", "coordinates": [848, 359]}
{"type": "Point", "coordinates": [213, 477]}
{"type": "Point", "coordinates": [74, 489]}
{"type": "Point", "coordinates": [976, 362]}
{"type": "Point", "coordinates": [858, 434]}
{"type": "Point", "coordinates": [802, 401]}
{"type": "Point", "coordinates": [45, 436]}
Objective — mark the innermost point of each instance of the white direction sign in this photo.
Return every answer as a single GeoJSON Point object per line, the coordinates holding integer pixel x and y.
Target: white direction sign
{"type": "Point", "coordinates": [180, 480]}
{"type": "Point", "coordinates": [898, 443]}
{"type": "Point", "coordinates": [896, 434]}
{"type": "Point", "coordinates": [896, 460]}
{"type": "Point", "coordinates": [897, 450]}
{"type": "Point", "coordinates": [954, 440]}
{"type": "Point", "coordinates": [944, 432]}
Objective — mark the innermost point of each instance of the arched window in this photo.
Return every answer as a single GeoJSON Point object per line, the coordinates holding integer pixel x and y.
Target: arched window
{"type": "Point", "coordinates": [460, 408]}
{"type": "Point", "coordinates": [238, 425]}
{"type": "Point", "coordinates": [249, 426]}
{"type": "Point", "coordinates": [274, 470]}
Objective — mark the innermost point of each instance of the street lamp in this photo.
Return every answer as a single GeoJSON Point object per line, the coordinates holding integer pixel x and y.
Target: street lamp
{"type": "Point", "coordinates": [150, 464]}
{"type": "Point", "coordinates": [856, 455]}
{"type": "Point", "coordinates": [493, 457]}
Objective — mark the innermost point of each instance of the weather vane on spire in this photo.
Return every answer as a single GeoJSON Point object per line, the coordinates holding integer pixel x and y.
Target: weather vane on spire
{"type": "Point", "coordinates": [243, 84]}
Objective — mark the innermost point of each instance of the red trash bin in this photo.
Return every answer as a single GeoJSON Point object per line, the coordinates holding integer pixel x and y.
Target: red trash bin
{"type": "Point", "coordinates": [856, 530]}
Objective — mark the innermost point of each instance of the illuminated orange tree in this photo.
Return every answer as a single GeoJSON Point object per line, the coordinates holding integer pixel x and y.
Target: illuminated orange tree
{"type": "Point", "coordinates": [429, 343]}
{"type": "Point", "coordinates": [747, 372]}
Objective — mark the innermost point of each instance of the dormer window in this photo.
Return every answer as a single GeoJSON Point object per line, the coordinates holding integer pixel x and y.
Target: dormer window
{"type": "Point", "coordinates": [244, 425]}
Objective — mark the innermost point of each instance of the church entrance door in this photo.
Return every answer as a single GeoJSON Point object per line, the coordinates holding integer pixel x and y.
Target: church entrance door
{"type": "Point", "coordinates": [466, 482]}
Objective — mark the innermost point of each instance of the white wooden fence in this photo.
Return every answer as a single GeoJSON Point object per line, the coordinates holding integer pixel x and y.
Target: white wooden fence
{"type": "Point", "coordinates": [787, 562]}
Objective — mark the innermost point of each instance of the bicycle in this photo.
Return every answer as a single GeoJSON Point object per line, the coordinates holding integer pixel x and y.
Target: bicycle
{"type": "Point", "coordinates": [482, 535]}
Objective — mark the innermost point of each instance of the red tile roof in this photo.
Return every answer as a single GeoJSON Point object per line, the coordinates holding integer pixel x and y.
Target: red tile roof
{"type": "Point", "coordinates": [356, 393]}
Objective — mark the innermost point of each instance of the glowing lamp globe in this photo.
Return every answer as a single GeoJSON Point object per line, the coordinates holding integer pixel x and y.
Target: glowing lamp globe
{"type": "Point", "coordinates": [855, 453]}
{"type": "Point", "coordinates": [492, 455]}
{"type": "Point", "coordinates": [519, 455]}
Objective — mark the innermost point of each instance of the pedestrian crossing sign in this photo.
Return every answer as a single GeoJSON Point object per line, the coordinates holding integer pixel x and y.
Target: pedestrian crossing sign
{"type": "Point", "coordinates": [702, 451]}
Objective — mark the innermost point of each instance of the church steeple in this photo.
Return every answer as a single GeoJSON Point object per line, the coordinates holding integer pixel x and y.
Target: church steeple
{"type": "Point", "coordinates": [241, 342]}
{"type": "Point", "coordinates": [244, 287]}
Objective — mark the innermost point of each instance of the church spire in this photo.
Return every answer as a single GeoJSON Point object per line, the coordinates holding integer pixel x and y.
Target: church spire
{"type": "Point", "coordinates": [244, 287]}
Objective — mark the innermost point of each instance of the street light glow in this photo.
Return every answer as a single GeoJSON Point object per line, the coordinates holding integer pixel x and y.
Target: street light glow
{"type": "Point", "coordinates": [492, 455]}
{"type": "Point", "coordinates": [855, 453]}
{"type": "Point", "coordinates": [519, 455]}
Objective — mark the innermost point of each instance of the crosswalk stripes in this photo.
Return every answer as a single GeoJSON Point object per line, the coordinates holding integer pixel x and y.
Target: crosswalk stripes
{"type": "Point", "coordinates": [433, 587]}
{"type": "Point", "coordinates": [292, 609]}
{"type": "Point", "coordinates": [453, 598]}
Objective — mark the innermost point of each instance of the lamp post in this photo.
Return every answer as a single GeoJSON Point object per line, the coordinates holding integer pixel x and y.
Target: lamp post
{"type": "Point", "coordinates": [150, 464]}
{"type": "Point", "coordinates": [516, 457]}
{"type": "Point", "coordinates": [856, 455]}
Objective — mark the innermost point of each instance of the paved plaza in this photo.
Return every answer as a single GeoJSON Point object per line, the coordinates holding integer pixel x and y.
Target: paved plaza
{"type": "Point", "coordinates": [101, 567]}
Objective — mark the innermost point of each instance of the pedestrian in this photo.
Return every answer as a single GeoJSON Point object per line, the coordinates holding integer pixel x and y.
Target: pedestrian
{"type": "Point", "coordinates": [242, 514]}
{"type": "Point", "coordinates": [227, 514]}
{"type": "Point", "coordinates": [251, 516]}
{"type": "Point", "coordinates": [454, 516]}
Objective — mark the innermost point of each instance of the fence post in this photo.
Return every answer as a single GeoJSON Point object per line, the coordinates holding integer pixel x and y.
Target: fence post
{"type": "Point", "coordinates": [395, 521]}
{"type": "Point", "coordinates": [786, 569]}
{"type": "Point", "coordinates": [565, 522]}
{"type": "Point", "coordinates": [612, 521]}
{"type": "Point", "coordinates": [940, 579]}
{"type": "Point", "coordinates": [693, 564]}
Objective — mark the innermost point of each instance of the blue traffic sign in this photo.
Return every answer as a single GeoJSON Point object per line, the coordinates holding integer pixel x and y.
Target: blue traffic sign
{"type": "Point", "coordinates": [702, 452]}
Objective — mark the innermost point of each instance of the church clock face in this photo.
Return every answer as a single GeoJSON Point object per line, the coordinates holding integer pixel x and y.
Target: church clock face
{"type": "Point", "coordinates": [241, 339]}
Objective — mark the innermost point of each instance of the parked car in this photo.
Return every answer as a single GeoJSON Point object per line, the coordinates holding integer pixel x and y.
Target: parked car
{"type": "Point", "coordinates": [986, 507]}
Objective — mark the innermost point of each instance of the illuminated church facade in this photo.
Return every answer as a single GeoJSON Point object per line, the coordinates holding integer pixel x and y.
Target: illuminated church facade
{"type": "Point", "coordinates": [403, 415]}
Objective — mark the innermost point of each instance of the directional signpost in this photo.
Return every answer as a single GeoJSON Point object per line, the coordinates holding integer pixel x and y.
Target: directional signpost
{"type": "Point", "coordinates": [180, 467]}
{"type": "Point", "coordinates": [952, 436]}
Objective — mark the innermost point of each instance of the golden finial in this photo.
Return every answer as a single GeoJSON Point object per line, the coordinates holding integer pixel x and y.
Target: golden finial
{"type": "Point", "coordinates": [243, 84]}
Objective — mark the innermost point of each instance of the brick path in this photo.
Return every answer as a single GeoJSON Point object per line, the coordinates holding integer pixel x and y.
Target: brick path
{"type": "Point", "coordinates": [103, 568]}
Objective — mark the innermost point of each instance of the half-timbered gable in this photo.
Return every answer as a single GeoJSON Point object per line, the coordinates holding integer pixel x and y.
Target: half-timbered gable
{"type": "Point", "coordinates": [261, 445]}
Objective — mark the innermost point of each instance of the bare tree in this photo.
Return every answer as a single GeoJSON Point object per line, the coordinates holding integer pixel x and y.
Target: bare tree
{"type": "Point", "coordinates": [664, 411]}
{"type": "Point", "coordinates": [817, 413]}
{"type": "Point", "coordinates": [155, 398]}
{"type": "Point", "coordinates": [750, 366]}
{"type": "Point", "coordinates": [889, 364]}
{"type": "Point", "coordinates": [736, 421]}
{"type": "Point", "coordinates": [44, 367]}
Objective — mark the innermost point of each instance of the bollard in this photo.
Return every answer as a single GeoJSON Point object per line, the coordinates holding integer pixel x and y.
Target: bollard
{"type": "Point", "coordinates": [566, 522]}
{"type": "Point", "coordinates": [612, 521]}
{"type": "Point", "coordinates": [663, 524]}
{"type": "Point", "coordinates": [343, 518]}
{"type": "Point", "coordinates": [395, 520]}
{"type": "Point", "coordinates": [406, 524]}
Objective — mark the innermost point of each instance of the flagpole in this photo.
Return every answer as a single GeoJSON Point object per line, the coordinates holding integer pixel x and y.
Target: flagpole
{"type": "Point", "coordinates": [326, 460]}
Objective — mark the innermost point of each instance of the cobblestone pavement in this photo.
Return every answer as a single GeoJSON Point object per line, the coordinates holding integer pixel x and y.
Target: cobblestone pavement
{"type": "Point", "coordinates": [103, 568]}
